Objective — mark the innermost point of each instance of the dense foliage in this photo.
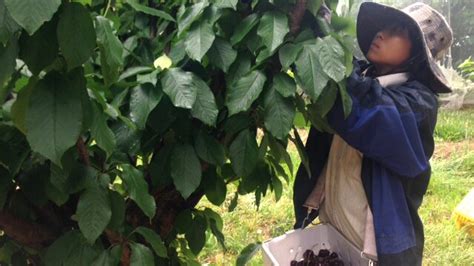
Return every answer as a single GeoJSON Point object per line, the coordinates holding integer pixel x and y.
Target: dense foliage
{"type": "Point", "coordinates": [119, 116]}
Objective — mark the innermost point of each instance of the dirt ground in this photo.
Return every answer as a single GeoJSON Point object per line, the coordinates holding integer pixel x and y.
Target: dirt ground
{"type": "Point", "coordinates": [444, 150]}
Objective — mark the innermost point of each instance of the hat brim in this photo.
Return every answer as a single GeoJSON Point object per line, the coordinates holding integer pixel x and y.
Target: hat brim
{"type": "Point", "coordinates": [373, 17]}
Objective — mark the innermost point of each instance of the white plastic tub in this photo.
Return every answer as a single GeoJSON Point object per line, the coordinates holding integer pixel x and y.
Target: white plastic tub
{"type": "Point", "coordinates": [283, 249]}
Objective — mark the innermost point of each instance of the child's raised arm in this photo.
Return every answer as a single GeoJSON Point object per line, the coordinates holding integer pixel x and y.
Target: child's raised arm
{"type": "Point", "coordinates": [388, 125]}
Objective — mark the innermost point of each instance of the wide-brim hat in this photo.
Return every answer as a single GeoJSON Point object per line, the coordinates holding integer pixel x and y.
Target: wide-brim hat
{"type": "Point", "coordinates": [434, 32]}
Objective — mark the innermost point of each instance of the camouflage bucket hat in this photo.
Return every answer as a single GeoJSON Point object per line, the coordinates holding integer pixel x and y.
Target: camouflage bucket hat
{"type": "Point", "coordinates": [435, 33]}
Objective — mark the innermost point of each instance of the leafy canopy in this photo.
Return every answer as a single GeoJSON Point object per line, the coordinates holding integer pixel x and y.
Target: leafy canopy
{"type": "Point", "coordinates": [118, 117]}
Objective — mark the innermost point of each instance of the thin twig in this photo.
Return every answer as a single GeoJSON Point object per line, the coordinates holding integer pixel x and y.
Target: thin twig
{"type": "Point", "coordinates": [107, 8]}
{"type": "Point", "coordinates": [82, 150]}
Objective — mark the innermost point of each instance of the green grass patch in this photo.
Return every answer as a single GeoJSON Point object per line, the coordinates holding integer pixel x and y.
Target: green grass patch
{"type": "Point", "coordinates": [450, 182]}
{"type": "Point", "coordinates": [455, 125]}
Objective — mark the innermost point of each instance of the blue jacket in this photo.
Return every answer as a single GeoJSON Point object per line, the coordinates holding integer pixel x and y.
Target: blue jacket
{"type": "Point", "coordinates": [393, 127]}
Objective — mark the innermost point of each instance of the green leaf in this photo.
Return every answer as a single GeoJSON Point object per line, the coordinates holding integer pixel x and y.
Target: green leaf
{"type": "Point", "coordinates": [253, 42]}
{"type": "Point", "coordinates": [183, 221]}
{"type": "Point", "coordinates": [126, 136]}
{"type": "Point", "coordinates": [84, 2]}
{"type": "Point", "coordinates": [196, 234]}
{"type": "Point", "coordinates": [247, 253]}
{"type": "Point", "coordinates": [324, 25]}
{"type": "Point", "coordinates": [137, 189]}
{"type": "Point", "coordinates": [279, 170]}
{"type": "Point", "coordinates": [70, 249]}
{"type": "Point", "coordinates": [257, 178]}
{"type": "Point", "coordinates": [272, 29]}
{"type": "Point", "coordinates": [14, 147]}
{"type": "Point", "coordinates": [284, 84]}
{"type": "Point", "coordinates": [245, 91]}
{"type": "Point", "coordinates": [178, 52]}
{"type": "Point", "coordinates": [326, 100]}
{"type": "Point", "coordinates": [178, 85]}
{"type": "Point", "coordinates": [54, 115]}
{"type": "Point", "coordinates": [217, 233]}
{"type": "Point", "coordinates": [215, 188]}
{"type": "Point", "coordinates": [237, 123]}
{"type": "Point", "coordinates": [133, 71]}
{"type": "Point", "coordinates": [101, 132]}
{"type": "Point", "coordinates": [33, 184]}
{"type": "Point", "coordinates": [233, 202]}
{"type": "Point", "coordinates": [185, 169]}
{"type": "Point", "coordinates": [93, 213]}
{"type": "Point", "coordinates": [190, 14]}
{"type": "Point", "coordinates": [331, 57]}
{"type": "Point", "coordinates": [5, 185]}
{"type": "Point", "coordinates": [41, 49]}
{"type": "Point", "coordinates": [117, 205]}
{"type": "Point", "coordinates": [8, 26]}
{"type": "Point", "coordinates": [80, 177]}
{"type": "Point", "coordinates": [108, 257]}
{"type": "Point", "coordinates": [221, 54]}
{"type": "Point", "coordinates": [8, 56]}
{"type": "Point", "coordinates": [318, 121]}
{"type": "Point", "coordinates": [204, 108]}
{"type": "Point", "coordinates": [301, 151]}
{"type": "Point", "coordinates": [243, 153]}
{"type": "Point", "coordinates": [111, 50]}
{"type": "Point", "coordinates": [143, 99]}
{"type": "Point", "coordinates": [226, 3]}
{"type": "Point", "coordinates": [239, 68]}
{"type": "Point", "coordinates": [346, 99]}
{"type": "Point", "coordinates": [154, 239]}
{"type": "Point", "coordinates": [277, 187]}
{"type": "Point", "coordinates": [150, 11]}
{"type": "Point", "coordinates": [199, 39]}
{"type": "Point", "coordinates": [288, 54]}
{"type": "Point", "coordinates": [160, 166]}
{"type": "Point", "coordinates": [313, 6]}
{"type": "Point", "coordinates": [309, 72]}
{"type": "Point", "coordinates": [76, 34]}
{"type": "Point", "coordinates": [243, 28]}
{"type": "Point", "coordinates": [31, 14]}
{"type": "Point", "coordinates": [280, 153]}
{"type": "Point", "coordinates": [209, 149]}
{"type": "Point", "coordinates": [279, 114]}
{"type": "Point", "coordinates": [213, 14]}
{"type": "Point", "coordinates": [141, 255]}
{"type": "Point", "coordinates": [212, 215]}
{"type": "Point", "coordinates": [263, 55]}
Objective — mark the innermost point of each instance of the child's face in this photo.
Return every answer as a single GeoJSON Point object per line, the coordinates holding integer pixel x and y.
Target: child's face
{"type": "Point", "coordinates": [390, 47]}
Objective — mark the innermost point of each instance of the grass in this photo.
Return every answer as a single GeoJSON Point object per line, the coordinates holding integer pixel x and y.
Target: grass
{"type": "Point", "coordinates": [455, 125]}
{"type": "Point", "coordinates": [452, 178]}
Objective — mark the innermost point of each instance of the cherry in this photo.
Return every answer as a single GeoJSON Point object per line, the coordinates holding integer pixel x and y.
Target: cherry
{"type": "Point", "coordinates": [323, 253]}
{"type": "Point", "coordinates": [336, 262]}
{"type": "Point", "coordinates": [308, 254]}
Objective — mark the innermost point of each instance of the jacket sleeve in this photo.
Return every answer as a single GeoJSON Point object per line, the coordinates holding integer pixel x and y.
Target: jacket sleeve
{"type": "Point", "coordinates": [389, 125]}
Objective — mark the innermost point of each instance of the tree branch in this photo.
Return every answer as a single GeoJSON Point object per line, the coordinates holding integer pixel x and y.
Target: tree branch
{"type": "Point", "coordinates": [125, 259]}
{"type": "Point", "coordinates": [26, 232]}
{"type": "Point", "coordinates": [297, 16]}
{"type": "Point", "coordinates": [82, 150]}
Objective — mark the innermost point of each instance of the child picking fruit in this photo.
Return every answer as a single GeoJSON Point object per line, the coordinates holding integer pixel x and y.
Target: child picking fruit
{"type": "Point", "coordinates": [369, 178]}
